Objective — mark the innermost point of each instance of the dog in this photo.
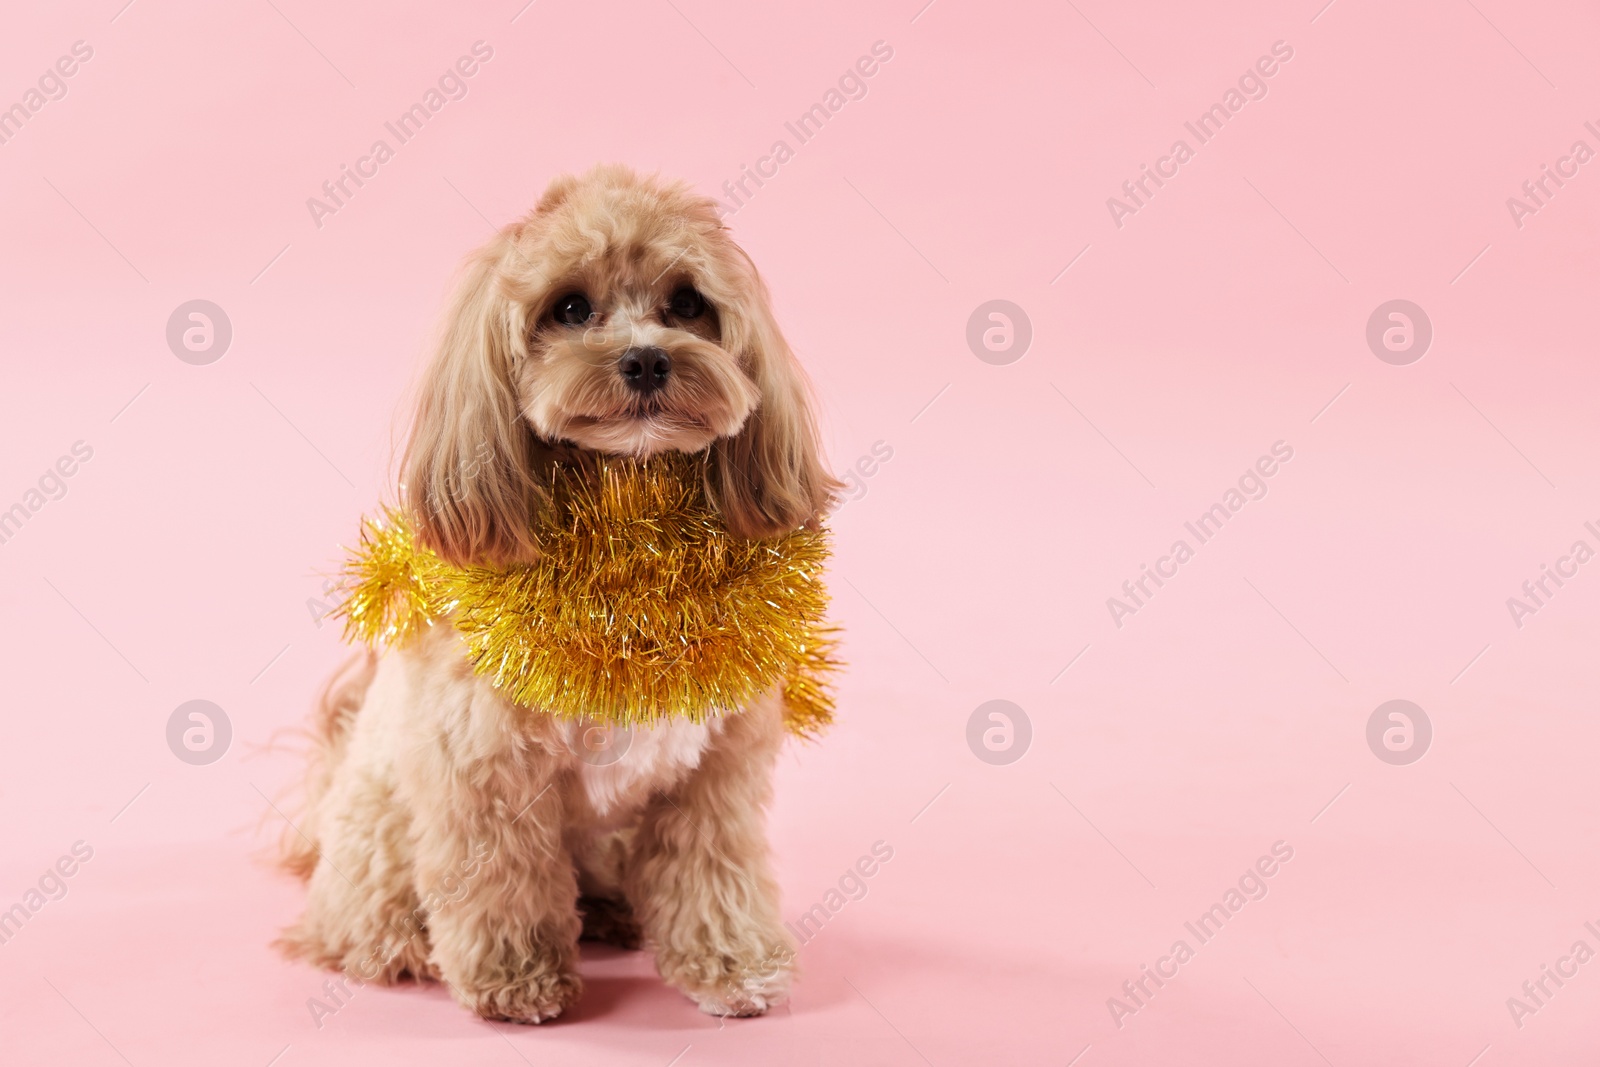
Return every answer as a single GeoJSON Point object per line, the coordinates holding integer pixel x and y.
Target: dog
{"type": "Point", "coordinates": [451, 835]}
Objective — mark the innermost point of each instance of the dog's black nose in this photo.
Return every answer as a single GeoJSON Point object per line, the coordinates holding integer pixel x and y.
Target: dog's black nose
{"type": "Point", "coordinates": [645, 369]}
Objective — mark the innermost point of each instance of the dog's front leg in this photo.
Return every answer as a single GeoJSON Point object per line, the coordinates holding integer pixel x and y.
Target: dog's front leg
{"type": "Point", "coordinates": [699, 880]}
{"type": "Point", "coordinates": [499, 887]}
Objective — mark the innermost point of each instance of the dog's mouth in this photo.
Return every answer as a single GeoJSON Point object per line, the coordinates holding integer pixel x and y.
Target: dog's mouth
{"type": "Point", "coordinates": [643, 413]}
{"type": "Point", "coordinates": [638, 431]}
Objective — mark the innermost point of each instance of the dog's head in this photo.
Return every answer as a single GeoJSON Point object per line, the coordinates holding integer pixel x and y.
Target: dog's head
{"type": "Point", "coordinates": [619, 318]}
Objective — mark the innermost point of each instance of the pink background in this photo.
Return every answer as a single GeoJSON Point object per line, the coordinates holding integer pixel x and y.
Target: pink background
{"type": "Point", "coordinates": [1222, 317]}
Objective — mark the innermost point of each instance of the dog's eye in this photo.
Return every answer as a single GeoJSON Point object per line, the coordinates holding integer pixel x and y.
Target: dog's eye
{"type": "Point", "coordinates": [687, 304]}
{"type": "Point", "coordinates": [572, 310]}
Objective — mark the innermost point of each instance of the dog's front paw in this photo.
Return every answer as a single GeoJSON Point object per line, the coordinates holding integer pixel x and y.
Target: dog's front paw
{"type": "Point", "coordinates": [740, 984]}
{"type": "Point", "coordinates": [535, 998]}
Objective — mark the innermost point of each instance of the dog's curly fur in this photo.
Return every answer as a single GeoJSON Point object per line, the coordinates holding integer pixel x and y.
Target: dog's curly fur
{"type": "Point", "coordinates": [452, 835]}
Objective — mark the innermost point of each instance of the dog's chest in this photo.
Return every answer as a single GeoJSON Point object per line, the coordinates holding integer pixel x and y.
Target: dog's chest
{"type": "Point", "coordinates": [618, 768]}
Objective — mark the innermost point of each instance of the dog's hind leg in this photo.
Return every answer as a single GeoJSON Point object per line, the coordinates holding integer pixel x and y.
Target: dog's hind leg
{"type": "Point", "coordinates": [336, 712]}
{"type": "Point", "coordinates": [363, 915]}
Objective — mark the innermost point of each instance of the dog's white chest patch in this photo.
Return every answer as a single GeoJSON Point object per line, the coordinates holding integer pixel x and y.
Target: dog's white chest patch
{"type": "Point", "coordinates": [621, 766]}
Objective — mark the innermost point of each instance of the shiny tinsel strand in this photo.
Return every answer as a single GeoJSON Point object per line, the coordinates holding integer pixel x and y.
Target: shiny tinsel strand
{"type": "Point", "coordinates": [640, 607]}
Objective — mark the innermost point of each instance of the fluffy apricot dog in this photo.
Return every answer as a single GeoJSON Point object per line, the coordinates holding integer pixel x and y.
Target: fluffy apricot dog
{"type": "Point", "coordinates": [453, 835]}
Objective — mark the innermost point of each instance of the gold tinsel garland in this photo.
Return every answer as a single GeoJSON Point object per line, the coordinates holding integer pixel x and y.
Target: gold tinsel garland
{"type": "Point", "coordinates": [641, 606]}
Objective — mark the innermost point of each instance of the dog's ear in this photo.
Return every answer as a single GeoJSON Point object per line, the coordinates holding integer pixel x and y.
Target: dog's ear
{"type": "Point", "coordinates": [768, 478]}
{"type": "Point", "coordinates": [470, 479]}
